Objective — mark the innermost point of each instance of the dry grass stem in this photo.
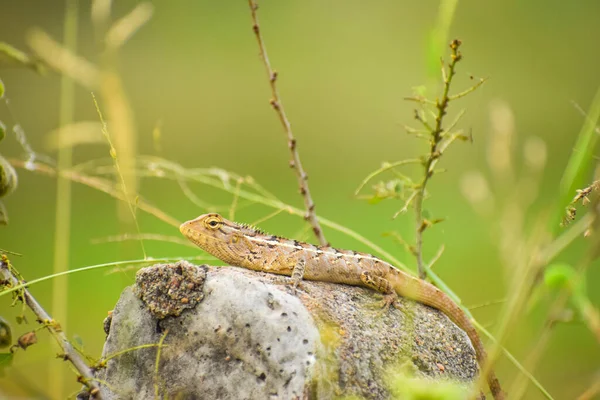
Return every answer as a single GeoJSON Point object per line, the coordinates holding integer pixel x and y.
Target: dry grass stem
{"type": "Point", "coordinates": [267, 217]}
{"type": "Point", "coordinates": [144, 236]}
{"type": "Point", "coordinates": [420, 100]}
{"type": "Point", "coordinates": [104, 360]}
{"type": "Point", "coordinates": [435, 258]}
{"type": "Point", "coordinates": [139, 262]}
{"type": "Point", "coordinates": [108, 81]}
{"type": "Point", "coordinates": [236, 197]}
{"type": "Point", "coordinates": [63, 60]}
{"type": "Point", "coordinates": [591, 392]}
{"type": "Point", "coordinates": [123, 29]}
{"type": "Point", "coordinates": [486, 304]}
{"type": "Point", "coordinates": [277, 105]}
{"type": "Point", "coordinates": [100, 12]}
{"type": "Point", "coordinates": [196, 200]}
{"type": "Point", "coordinates": [102, 185]}
{"type": "Point", "coordinates": [62, 229]}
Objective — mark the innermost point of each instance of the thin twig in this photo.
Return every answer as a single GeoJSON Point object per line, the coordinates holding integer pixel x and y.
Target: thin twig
{"type": "Point", "coordinates": [486, 304]}
{"type": "Point", "coordinates": [119, 171]}
{"type": "Point", "coordinates": [467, 91]}
{"type": "Point", "coordinates": [277, 105]}
{"type": "Point", "coordinates": [267, 217]}
{"type": "Point", "coordinates": [436, 138]}
{"type": "Point", "coordinates": [103, 185]}
{"type": "Point", "coordinates": [585, 114]}
{"type": "Point", "coordinates": [148, 261]}
{"type": "Point", "coordinates": [195, 199]}
{"type": "Point", "coordinates": [456, 119]}
{"type": "Point", "coordinates": [423, 121]}
{"type": "Point", "coordinates": [104, 360]}
{"type": "Point", "coordinates": [157, 364]}
{"type": "Point", "coordinates": [385, 166]}
{"type": "Point", "coordinates": [236, 196]}
{"type": "Point", "coordinates": [70, 354]}
{"type": "Point", "coordinates": [437, 256]}
{"type": "Point", "coordinates": [395, 235]}
{"type": "Point", "coordinates": [592, 391]}
{"type": "Point", "coordinates": [143, 236]}
{"type": "Point", "coordinates": [421, 100]}
{"type": "Point", "coordinates": [406, 204]}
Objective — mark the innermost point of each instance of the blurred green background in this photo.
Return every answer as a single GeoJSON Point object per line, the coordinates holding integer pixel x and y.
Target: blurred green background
{"type": "Point", "coordinates": [345, 67]}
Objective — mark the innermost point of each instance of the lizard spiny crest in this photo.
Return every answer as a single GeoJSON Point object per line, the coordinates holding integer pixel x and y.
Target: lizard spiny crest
{"type": "Point", "coordinates": [252, 228]}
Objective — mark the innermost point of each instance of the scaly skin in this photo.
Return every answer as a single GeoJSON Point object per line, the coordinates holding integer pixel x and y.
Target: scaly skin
{"type": "Point", "coordinates": [246, 247]}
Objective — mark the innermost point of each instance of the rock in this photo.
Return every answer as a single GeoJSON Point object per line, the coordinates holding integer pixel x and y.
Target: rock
{"type": "Point", "coordinates": [230, 333]}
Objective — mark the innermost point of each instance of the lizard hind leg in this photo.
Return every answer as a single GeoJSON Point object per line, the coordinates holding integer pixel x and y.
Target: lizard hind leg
{"type": "Point", "coordinates": [389, 297]}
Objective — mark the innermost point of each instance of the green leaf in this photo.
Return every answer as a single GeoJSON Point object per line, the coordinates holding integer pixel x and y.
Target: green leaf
{"type": "Point", "coordinates": [438, 37]}
{"type": "Point", "coordinates": [435, 50]}
{"type": "Point", "coordinates": [579, 164]}
{"type": "Point", "coordinates": [1, 89]}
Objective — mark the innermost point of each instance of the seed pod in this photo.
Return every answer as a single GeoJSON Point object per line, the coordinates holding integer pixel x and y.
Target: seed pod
{"type": "Point", "coordinates": [5, 333]}
{"type": "Point", "coordinates": [8, 177]}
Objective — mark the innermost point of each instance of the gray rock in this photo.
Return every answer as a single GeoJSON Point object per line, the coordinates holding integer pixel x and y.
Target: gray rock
{"type": "Point", "coordinates": [235, 334]}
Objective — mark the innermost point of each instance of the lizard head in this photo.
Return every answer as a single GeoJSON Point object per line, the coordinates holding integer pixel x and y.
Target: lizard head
{"type": "Point", "coordinates": [219, 237]}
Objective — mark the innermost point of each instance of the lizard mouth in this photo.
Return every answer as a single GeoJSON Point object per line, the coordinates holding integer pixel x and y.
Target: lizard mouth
{"type": "Point", "coordinates": [189, 233]}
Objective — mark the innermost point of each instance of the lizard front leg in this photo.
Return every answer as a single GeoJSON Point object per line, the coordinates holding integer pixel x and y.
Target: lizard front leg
{"type": "Point", "coordinates": [383, 286]}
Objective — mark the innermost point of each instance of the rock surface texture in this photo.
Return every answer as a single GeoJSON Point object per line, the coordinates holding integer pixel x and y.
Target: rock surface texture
{"type": "Point", "coordinates": [229, 333]}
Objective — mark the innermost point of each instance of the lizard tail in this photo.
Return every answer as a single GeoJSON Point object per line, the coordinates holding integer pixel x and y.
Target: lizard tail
{"type": "Point", "coordinates": [428, 294]}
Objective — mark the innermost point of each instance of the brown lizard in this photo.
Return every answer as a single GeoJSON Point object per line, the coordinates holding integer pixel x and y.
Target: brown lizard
{"type": "Point", "coordinates": [247, 247]}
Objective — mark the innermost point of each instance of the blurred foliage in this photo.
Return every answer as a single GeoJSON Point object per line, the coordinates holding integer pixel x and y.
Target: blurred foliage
{"type": "Point", "coordinates": [200, 98]}
{"type": "Point", "coordinates": [12, 57]}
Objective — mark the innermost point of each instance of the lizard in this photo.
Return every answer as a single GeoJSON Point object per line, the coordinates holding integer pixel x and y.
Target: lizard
{"type": "Point", "coordinates": [244, 246]}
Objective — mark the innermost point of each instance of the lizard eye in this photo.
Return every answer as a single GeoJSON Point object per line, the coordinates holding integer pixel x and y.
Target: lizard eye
{"type": "Point", "coordinates": [212, 223]}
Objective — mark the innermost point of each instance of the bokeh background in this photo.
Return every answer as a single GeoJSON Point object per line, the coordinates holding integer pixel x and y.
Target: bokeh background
{"type": "Point", "coordinates": [193, 72]}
